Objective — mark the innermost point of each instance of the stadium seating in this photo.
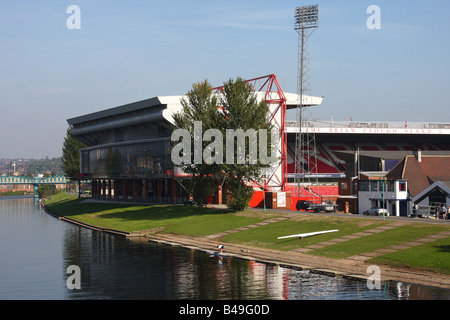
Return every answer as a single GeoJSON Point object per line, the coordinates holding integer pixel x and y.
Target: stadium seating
{"type": "Point", "coordinates": [328, 160]}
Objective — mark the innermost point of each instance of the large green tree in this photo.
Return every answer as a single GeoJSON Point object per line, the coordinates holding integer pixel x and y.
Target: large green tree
{"type": "Point", "coordinates": [71, 156]}
{"type": "Point", "coordinates": [244, 112]}
{"type": "Point", "coordinates": [219, 146]}
{"type": "Point", "coordinates": [198, 107]}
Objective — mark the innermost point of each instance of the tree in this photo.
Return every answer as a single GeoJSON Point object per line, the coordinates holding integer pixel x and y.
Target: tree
{"type": "Point", "coordinates": [71, 157]}
{"type": "Point", "coordinates": [243, 112]}
{"type": "Point", "coordinates": [112, 163]}
{"type": "Point", "coordinates": [217, 124]}
{"type": "Point", "coordinates": [201, 106]}
{"type": "Point", "coordinates": [45, 165]}
{"type": "Point", "coordinates": [46, 190]}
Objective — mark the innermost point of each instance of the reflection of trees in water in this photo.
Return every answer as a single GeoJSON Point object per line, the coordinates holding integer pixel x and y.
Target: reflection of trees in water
{"type": "Point", "coordinates": [113, 163]}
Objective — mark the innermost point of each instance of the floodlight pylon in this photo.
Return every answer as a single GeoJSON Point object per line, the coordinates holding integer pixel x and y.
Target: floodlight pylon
{"type": "Point", "coordinates": [306, 21]}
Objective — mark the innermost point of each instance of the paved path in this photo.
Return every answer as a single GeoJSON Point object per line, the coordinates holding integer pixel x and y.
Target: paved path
{"type": "Point", "coordinates": [259, 224]}
{"type": "Point", "coordinates": [402, 246]}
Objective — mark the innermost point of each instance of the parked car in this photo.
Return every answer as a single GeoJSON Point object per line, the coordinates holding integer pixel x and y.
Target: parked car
{"type": "Point", "coordinates": [316, 207]}
{"type": "Point", "coordinates": [190, 203]}
{"type": "Point", "coordinates": [376, 212]}
{"type": "Point", "coordinates": [303, 205]}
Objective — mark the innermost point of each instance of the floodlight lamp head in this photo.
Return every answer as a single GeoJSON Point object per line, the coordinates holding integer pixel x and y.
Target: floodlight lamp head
{"type": "Point", "coordinates": [306, 17]}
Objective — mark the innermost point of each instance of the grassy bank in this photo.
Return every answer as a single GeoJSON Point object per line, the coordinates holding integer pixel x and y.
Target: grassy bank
{"type": "Point", "coordinates": [266, 236]}
{"type": "Point", "coordinates": [194, 221]}
{"type": "Point", "coordinates": [433, 257]}
{"type": "Point", "coordinates": [187, 220]}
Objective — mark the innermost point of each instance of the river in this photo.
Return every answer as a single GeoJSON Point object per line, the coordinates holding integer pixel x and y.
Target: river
{"type": "Point", "coordinates": [36, 250]}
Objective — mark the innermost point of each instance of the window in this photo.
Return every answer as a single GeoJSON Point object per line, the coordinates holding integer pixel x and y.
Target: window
{"type": "Point", "coordinates": [402, 186]}
{"type": "Point", "coordinates": [363, 185]}
{"type": "Point", "coordinates": [143, 160]}
{"type": "Point", "coordinates": [390, 186]}
{"type": "Point", "coordinates": [374, 185]}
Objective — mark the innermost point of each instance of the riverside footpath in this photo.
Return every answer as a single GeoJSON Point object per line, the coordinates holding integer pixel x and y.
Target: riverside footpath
{"type": "Point", "coordinates": [353, 267]}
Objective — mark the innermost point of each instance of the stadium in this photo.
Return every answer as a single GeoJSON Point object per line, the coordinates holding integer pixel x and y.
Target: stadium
{"type": "Point", "coordinates": [374, 146]}
{"type": "Point", "coordinates": [127, 157]}
{"type": "Point", "coordinates": [350, 151]}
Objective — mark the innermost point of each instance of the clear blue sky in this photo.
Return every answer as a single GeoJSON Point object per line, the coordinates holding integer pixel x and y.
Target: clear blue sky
{"type": "Point", "coordinates": [127, 51]}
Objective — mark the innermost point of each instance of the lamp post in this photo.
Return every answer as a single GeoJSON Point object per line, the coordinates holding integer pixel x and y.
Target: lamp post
{"type": "Point", "coordinates": [306, 21]}
{"type": "Point", "coordinates": [383, 184]}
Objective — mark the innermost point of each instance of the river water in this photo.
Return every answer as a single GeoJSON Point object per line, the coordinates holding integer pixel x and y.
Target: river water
{"type": "Point", "coordinates": [37, 249]}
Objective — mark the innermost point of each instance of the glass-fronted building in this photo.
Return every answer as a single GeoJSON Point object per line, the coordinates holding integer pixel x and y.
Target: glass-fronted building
{"type": "Point", "coordinates": [127, 155]}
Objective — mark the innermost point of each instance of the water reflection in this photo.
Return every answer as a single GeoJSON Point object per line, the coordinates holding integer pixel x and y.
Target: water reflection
{"type": "Point", "coordinates": [36, 249]}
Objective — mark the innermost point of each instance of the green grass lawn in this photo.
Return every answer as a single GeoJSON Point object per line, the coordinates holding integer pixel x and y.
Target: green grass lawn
{"type": "Point", "coordinates": [379, 240]}
{"type": "Point", "coordinates": [174, 219]}
{"type": "Point", "coordinates": [434, 256]}
{"type": "Point", "coordinates": [266, 236]}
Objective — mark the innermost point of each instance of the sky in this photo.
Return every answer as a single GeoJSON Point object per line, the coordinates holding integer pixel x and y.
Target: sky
{"type": "Point", "coordinates": [126, 51]}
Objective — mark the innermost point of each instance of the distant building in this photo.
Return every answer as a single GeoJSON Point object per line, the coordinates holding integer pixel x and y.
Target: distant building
{"type": "Point", "coordinates": [381, 193]}
{"type": "Point", "coordinates": [428, 181]}
{"type": "Point", "coordinates": [28, 188]}
{"type": "Point", "coordinates": [416, 185]}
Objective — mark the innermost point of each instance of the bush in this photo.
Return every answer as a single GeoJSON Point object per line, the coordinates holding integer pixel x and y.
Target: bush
{"type": "Point", "coordinates": [240, 197]}
{"type": "Point", "coordinates": [46, 190]}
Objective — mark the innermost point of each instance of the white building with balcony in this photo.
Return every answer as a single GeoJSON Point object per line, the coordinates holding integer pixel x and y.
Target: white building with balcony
{"type": "Point", "coordinates": [381, 193]}
{"type": "Point", "coordinates": [416, 185]}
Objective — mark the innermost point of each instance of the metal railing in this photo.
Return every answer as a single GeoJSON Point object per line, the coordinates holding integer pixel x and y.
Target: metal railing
{"type": "Point", "coordinates": [372, 124]}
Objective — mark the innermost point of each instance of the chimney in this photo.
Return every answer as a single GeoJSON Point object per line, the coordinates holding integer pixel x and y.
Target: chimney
{"type": "Point", "coordinates": [419, 155]}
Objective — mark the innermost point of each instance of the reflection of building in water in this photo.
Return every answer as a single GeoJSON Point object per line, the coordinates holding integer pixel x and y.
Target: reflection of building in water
{"type": "Point", "coordinates": [273, 278]}
{"type": "Point", "coordinates": [405, 291]}
{"type": "Point", "coordinates": [228, 278]}
{"type": "Point", "coordinates": [185, 278]}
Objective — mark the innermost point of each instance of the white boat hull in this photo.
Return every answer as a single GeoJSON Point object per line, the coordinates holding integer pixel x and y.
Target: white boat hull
{"type": "Point", "coordinates": [304, 235]}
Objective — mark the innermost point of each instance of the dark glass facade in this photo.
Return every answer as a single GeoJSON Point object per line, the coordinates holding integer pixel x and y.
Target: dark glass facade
{"type": "Point", "coordinates": [127, 157]}
{"type": "Point", "coordinates": [143, 159]}
{"type": "Point", "coordinates": [140, 171]}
